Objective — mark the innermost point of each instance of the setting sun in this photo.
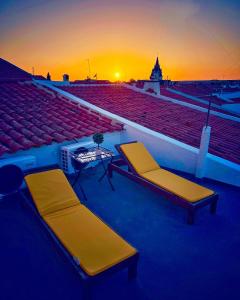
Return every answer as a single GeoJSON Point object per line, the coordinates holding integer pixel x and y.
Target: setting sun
{"type": "Point", "coordinates": [117, 75]}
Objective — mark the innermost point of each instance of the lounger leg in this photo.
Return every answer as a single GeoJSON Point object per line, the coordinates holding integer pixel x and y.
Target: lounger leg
{"type": "Point", "coordinates": [213, 207]}
{"type": "Point", "coordinates": [190, 216]}
{"type": "Point", "coordinates": [84, 194]}
{"type": "Point", "coordinates": [76, 179]}
{"type": "Point", "coordinates": [87, 290]}
{"type": "Point", "coordinates": [132, 269]}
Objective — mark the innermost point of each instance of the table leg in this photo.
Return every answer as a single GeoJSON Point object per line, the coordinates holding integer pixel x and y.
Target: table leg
{"type": "Point", "coordinates": [106, 174]}
{"type": "Point", "coordinates": [81, 188]}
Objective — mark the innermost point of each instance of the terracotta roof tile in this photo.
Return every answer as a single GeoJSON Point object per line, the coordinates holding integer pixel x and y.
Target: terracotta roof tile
{"type": "Point", "coordinates": [214, 99]}
{"type": "Point", "coordinates": [10, 71]}
{"type": "Point", "coordinates": [174, 120]}
{"type": "Point", "coordinates": [31, 117]}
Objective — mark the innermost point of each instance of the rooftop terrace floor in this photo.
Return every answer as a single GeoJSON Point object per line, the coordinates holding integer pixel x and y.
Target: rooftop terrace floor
{"type": "Point", "coordinates": [177, 261]}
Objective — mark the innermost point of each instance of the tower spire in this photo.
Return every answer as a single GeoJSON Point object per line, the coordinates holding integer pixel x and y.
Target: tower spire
{"type": "Point", "coordinates": [156, 74]}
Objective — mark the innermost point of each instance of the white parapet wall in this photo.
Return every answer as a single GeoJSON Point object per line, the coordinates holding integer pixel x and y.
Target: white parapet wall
{"type": "Point", "coordinates": [179, 156]}
{"type": "Point", "coordinates": [234, 108]}
{"type": "Point", "coordinates": [167, 151]}
{"type": "Point", "coordinates": [222, 170]}
{"type": "Point", "coordinates": [203, 151]}
{"type": "Point", "coordinates": [48, 155]}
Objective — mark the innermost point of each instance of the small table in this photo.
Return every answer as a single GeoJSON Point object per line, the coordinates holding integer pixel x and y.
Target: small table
{"type": "Point", "coordinates": [95, 154]}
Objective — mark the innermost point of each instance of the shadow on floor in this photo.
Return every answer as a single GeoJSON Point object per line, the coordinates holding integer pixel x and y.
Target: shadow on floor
{"type": "Point", "coordinates": [177, 261]}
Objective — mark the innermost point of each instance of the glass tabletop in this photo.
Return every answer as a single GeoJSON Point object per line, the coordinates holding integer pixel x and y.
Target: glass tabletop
{"type": "Point", "coordinates": [93, 154]}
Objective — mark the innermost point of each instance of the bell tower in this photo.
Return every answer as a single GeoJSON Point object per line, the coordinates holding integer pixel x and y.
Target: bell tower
{"type": "Point", "coordinates": [156, 74]}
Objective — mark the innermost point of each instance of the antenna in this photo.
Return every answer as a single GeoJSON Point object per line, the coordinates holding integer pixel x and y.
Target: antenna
{"type": "Point", "coordinates": [89, 70]}
{"type": "Point", "coordinates": [33, 71]}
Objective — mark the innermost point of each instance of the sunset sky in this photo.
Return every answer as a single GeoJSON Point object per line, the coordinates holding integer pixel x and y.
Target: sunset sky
{"type": "Point", "coordinates": [194, 39]}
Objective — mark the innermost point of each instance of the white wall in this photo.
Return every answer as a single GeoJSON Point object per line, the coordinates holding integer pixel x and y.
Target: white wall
{"type": "Point", "coordinates": [179, 156]}
{"type": "Point", "coordinates": [50, 154]}
{"type": "Point", "coordinates": [44, 155]}
{"type": "Point", "coordinates": [165, 150]}
{"type": "Point", "coordinates": [222, 170]}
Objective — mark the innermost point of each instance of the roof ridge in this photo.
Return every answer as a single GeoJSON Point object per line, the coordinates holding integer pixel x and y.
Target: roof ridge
{"type": "Point", "coordinates": [10, 71]}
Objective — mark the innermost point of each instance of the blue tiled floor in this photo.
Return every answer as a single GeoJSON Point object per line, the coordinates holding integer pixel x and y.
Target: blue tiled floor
{"type": "Point", "coordinates": [177, 261]}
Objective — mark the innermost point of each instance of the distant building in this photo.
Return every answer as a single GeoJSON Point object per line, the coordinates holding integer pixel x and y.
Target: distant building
{"type": "Point", "coordinates": [156, 74]}
{"type": "Point", "coordinates": [38, 77]}
{"type": "Point", "coordinates": [48, 76]}
{"type": "Point", "coordinates": [90, 81]}
{"type": "Point", "coordinates": [65, 77]}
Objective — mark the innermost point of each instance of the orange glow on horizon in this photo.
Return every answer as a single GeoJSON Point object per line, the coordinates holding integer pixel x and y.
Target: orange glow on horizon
{"type": "Point", "coordinates": [61, 39]}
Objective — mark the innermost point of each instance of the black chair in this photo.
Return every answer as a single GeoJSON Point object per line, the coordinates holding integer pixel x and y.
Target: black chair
{"type": "Point", "coordinates": [78, 167]}
{"type": "Point", "coordinates": [11, 179]}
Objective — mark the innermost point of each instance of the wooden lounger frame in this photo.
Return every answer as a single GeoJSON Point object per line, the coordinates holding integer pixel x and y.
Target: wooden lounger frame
{"type": "Point", "coordinates": [87, 280]}
{"type": "Point", "coordinates": [132, 174]}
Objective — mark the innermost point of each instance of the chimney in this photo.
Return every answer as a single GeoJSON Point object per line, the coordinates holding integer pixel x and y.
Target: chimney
{"type": "Point", "coordinates": [65, 77]}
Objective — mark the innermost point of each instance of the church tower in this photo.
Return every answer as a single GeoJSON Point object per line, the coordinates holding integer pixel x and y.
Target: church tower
{"type": "Point", "coordinates": [156, 74]}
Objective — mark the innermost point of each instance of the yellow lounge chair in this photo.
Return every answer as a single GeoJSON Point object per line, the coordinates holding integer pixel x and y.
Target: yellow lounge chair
{"type": "Point", "coordinates": [92, 245]}
{"type": "Point", "coordinates": [144, 169]}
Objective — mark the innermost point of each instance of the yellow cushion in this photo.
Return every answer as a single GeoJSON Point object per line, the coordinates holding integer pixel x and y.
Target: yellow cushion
{"type": "Point", "coordinates": [177, 185]}
{"type": "Point", "coordinates": [96, 246]}
{"type": "Point", "coordinates": [51, 191]}
{"type": "Point", "coordinates": [139, 157]}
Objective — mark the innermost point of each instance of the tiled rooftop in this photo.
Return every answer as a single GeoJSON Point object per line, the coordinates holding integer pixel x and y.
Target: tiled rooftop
{"type": "Point", "coordinates": [177, 261]}
{"type": "Point", "coordinates": [205, 89]}
{"type": "Point", "coordinates": [205, 101]}
{"type": "Point", "coordinates": [9, 71]}
{"type": "Point", "coordinates": [32, 117]}
{"type": "Point", "coordinates": [214, 99]}
{"type": "Point", "coordinates": [196, 89]}
{"type": "Point", "coordinates": [230, 89]}
{"type": "Point", "coordinates": [236, 100]}
{"type": "Point", "coordinates": [168, 93]}
{"type": "Point", "coordinates": [174, 120]}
